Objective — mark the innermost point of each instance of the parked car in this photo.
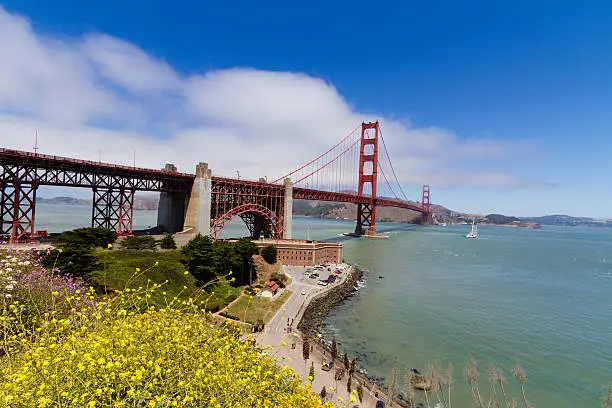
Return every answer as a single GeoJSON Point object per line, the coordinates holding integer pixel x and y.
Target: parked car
{"type": "Point", "coordinates": [322, 283]}
{"type": "Point", "coordinates": [380, 404]}
{"type": "Point", "coordinates": [327, 366]}
{"type": "Point", "coordinates": [303, 291]}
{"type": "Point", "coordinates": [339, 374]}
{"type": "Point", "coordinates": [314, 276]}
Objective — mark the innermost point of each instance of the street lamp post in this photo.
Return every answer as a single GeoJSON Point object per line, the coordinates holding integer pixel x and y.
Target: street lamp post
{"type": "Point", "coordinates": [238, 172]}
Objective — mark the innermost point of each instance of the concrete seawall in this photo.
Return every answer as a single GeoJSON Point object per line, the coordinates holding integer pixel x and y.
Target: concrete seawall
{"type": "Point", "coordinates": [312, 315]}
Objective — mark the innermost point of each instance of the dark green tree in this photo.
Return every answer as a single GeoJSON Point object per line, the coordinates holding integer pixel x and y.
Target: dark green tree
{"type": "Point", "coordinates": [226, 258]}
{"type": "Point", "coordinates": [353, 366]}
{"type": "Point", "coordinates": [167, 242]}
{"type": "Point", "coordinates": [200, 258]}
{"type": "Point", "coordinates": [334, 349]}
{"type": "Point", "coordinates": [346, 361]}
{"type": "Point", "coordinates": [311, 373]}
{"type": "Point", "coordinates": [76, 256]}
{"type": "Point", "coordinates": [360, 392]}
{"type": "Point", "coordinates": [269, 254]}
{"type": "Point", "coordinates": [244, 271]}
{"type": "Point", "coordinates": [305, 349]}
{"type": "Point", "coordinates": [348, 384]}
{"type": "Point", "coordinates": [323, 393]}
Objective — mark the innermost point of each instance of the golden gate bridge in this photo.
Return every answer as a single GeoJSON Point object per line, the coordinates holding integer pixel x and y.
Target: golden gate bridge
{"type": "Point", "coordinates": [352, 171]}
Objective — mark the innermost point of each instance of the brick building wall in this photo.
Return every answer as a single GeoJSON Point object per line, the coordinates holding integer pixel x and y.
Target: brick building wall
{"type": "Point", "coordinates": [304, 253]}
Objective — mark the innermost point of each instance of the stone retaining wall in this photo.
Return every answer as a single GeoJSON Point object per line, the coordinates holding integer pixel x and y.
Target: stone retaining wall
{"type": "Point", "coordinates": [320, 305]}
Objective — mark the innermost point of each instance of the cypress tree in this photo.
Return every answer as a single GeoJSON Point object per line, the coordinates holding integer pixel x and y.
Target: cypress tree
{"type": "Point", "coordinates": [334, 349]}
{"type": "Point", "coordinates": [305, 350]}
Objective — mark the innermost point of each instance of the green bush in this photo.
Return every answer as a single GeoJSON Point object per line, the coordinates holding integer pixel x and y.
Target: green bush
{"type": "Point", "coordinates": [133, 268]}
{"type": "Point", "coordinates": [146, 242]}
{"type": "Point", "coordinates": [269, 254]}
{"type": "Point", "coordinates": [167, 242]}
{"type": "Point", "coordinates": [87, 238]}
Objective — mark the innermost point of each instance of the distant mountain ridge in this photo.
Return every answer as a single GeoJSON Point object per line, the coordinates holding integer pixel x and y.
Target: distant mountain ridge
{"type": "Point", "coordinates": [145, 202]}
{"type": "Point", "coordinates": [323, 209]}
{"type": "Point", "coordinates": [63, 201]}
{"type": "Point", "coordinates": [569, 221]}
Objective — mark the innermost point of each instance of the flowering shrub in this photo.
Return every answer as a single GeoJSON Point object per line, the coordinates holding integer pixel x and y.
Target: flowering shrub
{"type": "Point", "coordinates": [159, 358]}
{"type": "Point", "coordinates": [105, 353]}
{"type": "Point", "coordinates": [30, 295]}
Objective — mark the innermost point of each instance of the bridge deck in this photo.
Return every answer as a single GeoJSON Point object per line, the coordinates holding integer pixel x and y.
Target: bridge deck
{"type": "Point", "coordinates": [309, 194]}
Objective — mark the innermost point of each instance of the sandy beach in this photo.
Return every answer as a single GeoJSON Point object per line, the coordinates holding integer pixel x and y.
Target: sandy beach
{"type": "Point", "coordinates": [280, 341]}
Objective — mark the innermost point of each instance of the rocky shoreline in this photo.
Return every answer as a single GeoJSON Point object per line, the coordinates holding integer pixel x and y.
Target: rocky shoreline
{"type": "Point", "coordinates": [316, 311]}
{"type": "Point", "coordinates": [319, 307]}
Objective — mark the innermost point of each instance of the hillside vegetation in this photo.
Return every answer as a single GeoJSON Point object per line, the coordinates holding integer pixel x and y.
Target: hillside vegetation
{"type": "Point", "coordinates": [63, 346]}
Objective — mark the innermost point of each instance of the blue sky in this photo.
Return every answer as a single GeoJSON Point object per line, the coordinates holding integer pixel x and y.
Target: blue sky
{"type": "Point", "coordinates": [531, 81]}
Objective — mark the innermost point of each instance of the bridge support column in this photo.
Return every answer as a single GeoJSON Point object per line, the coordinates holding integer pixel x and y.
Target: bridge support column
{"type": "Point", "coordinates": [113, 209]}
{"type": "Point", "coordinates": [171, 208]}
{"type": "Point", "coordinates": [199, 205]}
{"type": "Point", "coordinates": [426, 204]}
{"type": "Point", "coordinates": [288, 210]}
{"type": "Point", "coordinates": [17, 210]}
{"type": "Point", "coordinates": [368, 175]}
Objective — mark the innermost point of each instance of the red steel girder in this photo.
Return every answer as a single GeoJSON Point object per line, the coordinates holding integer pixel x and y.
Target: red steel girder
{"type": "Point", "coordinates": [17, 210]}
{"type": "Point", "coordinates": [113, 209]}
{"type": "Point", "coordinates": [271, 224]}
{"type": "Point", "coordinates": [260, 205]}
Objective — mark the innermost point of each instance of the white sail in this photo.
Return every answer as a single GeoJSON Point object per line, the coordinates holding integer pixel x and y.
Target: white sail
{"type": "Point", "coordinates": [474, 232]}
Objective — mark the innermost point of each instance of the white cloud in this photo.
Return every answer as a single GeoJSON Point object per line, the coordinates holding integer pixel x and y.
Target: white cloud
{"type": "Point", "coordinates": [126, 65]}
{"type": "Point", "coordinates": [99, 92]}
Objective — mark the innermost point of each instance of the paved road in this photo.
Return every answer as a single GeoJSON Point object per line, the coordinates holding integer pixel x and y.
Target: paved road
{"type": "Point", "coordinates": [275, 334]}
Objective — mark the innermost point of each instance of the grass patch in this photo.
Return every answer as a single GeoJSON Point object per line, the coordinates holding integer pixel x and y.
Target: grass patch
{"type": "Point", "coordinates": [141, 269]}
{"type": "Point", "coordinates": [257, 308]}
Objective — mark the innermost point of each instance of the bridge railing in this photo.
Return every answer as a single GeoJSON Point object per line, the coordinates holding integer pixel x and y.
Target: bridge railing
{"type": "Point", "coordinates": [61, 159]}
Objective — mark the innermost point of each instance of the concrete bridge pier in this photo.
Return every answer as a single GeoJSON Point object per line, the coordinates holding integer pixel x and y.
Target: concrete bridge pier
{"type": "Point", "coordinates": [288, 210]}
{"type": "Point", "coordinates": [197, 218]}
{"type": "Point", "coordinates": [171, 208]}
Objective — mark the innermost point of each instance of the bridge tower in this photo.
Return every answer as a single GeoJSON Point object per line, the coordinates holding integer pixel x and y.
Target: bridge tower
{"type": "Point", "coordinates": [368, 172]}
{"type": "Point", "coordinates": [426, 204]}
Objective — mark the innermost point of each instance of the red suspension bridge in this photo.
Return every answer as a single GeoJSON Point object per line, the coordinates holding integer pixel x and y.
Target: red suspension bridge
{"type": "Point", "coordinates": [352, 171]}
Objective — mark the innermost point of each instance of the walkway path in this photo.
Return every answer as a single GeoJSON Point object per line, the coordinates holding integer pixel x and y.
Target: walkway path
{"type": "Point", "coordinates": [276, 333]}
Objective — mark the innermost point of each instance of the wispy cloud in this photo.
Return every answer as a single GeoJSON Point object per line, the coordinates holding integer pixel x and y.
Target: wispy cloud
{"type": "Point", "coordinates": [99, 92]}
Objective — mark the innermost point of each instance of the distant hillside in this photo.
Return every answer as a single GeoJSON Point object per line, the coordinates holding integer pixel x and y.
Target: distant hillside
{"type": "Point", "coordinates": [63, 201]}
{"type": "Point", "coordinates": [347, 211]}
{"type": "Point", "coordinates": [500, 219]}
{"type": "Point", "coordinates": [143, 202]}
{"type": "Point", "coordinates": [568, 221]}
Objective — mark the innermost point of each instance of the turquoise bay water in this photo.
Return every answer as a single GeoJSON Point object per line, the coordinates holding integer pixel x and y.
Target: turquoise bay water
{"type": "Point", "coordinates": [543, 297]}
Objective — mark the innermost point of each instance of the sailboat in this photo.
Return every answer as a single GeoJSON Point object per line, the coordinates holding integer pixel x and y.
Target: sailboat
{"type": "Point", "coordinates": [474, 232]}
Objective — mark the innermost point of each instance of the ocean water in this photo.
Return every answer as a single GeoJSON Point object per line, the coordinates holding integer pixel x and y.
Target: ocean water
{"type": "Point", "coordinates": [542, 297]}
